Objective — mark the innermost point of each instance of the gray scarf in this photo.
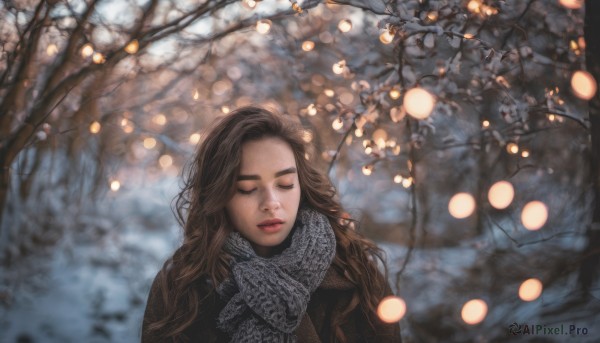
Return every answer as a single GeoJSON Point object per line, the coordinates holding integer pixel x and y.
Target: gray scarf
{"type": "Point", "coordinates": [267, 297]}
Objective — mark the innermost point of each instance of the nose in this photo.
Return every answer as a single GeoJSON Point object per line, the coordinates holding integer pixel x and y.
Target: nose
{"type": "Point", "coordinates": [270, 201]}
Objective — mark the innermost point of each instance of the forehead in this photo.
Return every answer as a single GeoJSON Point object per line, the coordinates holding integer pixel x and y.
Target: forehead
{"type": "Point", "coordinates": [269, 154]}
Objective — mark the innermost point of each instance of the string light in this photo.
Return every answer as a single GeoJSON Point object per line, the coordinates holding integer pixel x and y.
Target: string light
{"type": "Point", "coordinates": [98, 58]}
{"type": "Point", "coordinates": [468, 36]}
{"type": "Point", "coordinates": [386, 37]}
{"type": "Point", "coordinates": [87, 50]}
{"type": "Point", "coordinates": [406, 183]}
{"type": "Point", "coordinates": [368, 150]}
{"type": "Point", "coordinates": [358, 133]}
{"type": "Point", "coordinates": [551, 117]}
{"type": "Point", "coordinates": [160, 119]}
{"type": "Point", "coordinates": [95, 127]}
{"type": "Point", "coordinates": [432, 16]}
{"type": "Point", "coordinates": [474, 311]}
{"type": "Point", "coordinates": [524, 153]}
{"type": "Point", "coordinates": [149, 143]}
{"type": "Point", "coordinates": [398, 178]}
{"type": "Point", "coordinates": [308, 45]}
{"type": "Point", "coordinates": [419, 103]}
{"type": "Point", "coordinates": [534, 215]}
{"type": "Point", "coordinates": [530, 289]}
{"type": "Point", "coordinates": [132, 47]}
{"type": "Point", "coordinates": [329, 93]}
{"type": "Point", "coordinates": [115, 185]}
{"type": "Point", "coordinates": [225, 109]}
{"type": "Point", "coordinates": [379, 137]}
{"type": "Point", "coordinates": [345, 25]}
{"type": "Point", "coordinates": [337, 124]}
{"type": "Point", "coordinates": [512, 148]}
{"type": "Point", "coordinates": [263, 26]}
{"type": "Point", "coordinates": [394, 93]}
{"type": "Point", "coordinates": [249, 4]}
{"type": "Point", "coordinates": [297, 8]}
{"type": "Point", "coordinates": [583, 85]}
{"type": "Point", "coordinates": [196, 94]}
{"type": "Point", "coordinates": [572, 4]}
{"type": "Point", "coordinates": [461, 205]}
{"type": "Point", "coordinates": [307, 136]}
{"type": "Point", "coordinates": [52, 50]}
{"type": "Point", "coordinates": [391, 309]}
{"type": "Point", "coordinates": [195, 138]}
{"type": "Point", "coordinates": [311, 110]}
{"type": "Point", "coordinates": [501, 194]}
{"type": "Point", "coordinates": [485, 123]}
{"type": "Point", "coordinates": [367, 170]}
{"type": "Point", "coordinates": [165, 161]}
{"type": "Point", "coordinates": [339, 67]}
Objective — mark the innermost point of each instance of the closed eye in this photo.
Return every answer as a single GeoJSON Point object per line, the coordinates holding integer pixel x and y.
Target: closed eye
{"type": "Point", "coordinates": [241, 191]}
{"type": "Point", "coordinates": [286, 186]}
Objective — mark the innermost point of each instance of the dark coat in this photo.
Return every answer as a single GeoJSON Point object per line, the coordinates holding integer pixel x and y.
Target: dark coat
{"type": "Point", "coordinates": [325, 303]}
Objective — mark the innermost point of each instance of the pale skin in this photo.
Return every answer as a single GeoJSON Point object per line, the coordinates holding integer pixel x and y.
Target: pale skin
{"type": "Point", "coordinates": [267, 197]}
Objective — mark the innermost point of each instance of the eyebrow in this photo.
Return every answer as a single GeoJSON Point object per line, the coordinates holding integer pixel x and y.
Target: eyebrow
{"type": "Point", "coordinates": [290, 170]}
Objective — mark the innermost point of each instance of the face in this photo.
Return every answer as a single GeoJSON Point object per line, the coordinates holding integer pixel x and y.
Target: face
{"type": "Point", "coordinates": [265, 204]}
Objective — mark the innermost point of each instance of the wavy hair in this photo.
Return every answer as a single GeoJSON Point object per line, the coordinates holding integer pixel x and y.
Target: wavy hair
{"type": "Point", "coordinates": [209, 183]}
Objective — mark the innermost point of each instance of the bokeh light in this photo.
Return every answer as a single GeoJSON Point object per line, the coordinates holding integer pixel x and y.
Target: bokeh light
{"type": "Point", "coordinates": [308, 45]}
{"type": "Point", "coordinates": [501, 194]}
{"type": "Point", "coordinates": [87, 50]}
{"type": "Point", "coordinates": [530, 289]}
{"type": "Point", "coordinates": [474, 311]}
{"type": "Point", "coordinates": [345, 25]}
{"type": "Point", "coordinates": [394, 93]}
{"type": "Point", "coordinates": [391, 309]}
{"type": "Point", "coordinates": [571, 4]}
{"type": "Point", "coordinates": [98, 58]}
{"type": "Point", "coordinates": [419, 103]}
{"type": "Point", "coordinates": [165, 161]}
{"type": "Point", "coordinates": [95, 127]}
{"type": "Point", "coordinates": [263, 26]}
{"type": "Point", "coordinates": [52, 50]}
{"type": "Point", "coordinates": [461, 205]}
{"type": "Point", "coordinates": [583, 84]}
{"type": "Point", "coordinates": [367, 170]}
{"type": "Point", "coordinates": [195, 138]}
{"type": "Point", "coordinates": [337, 124]}
{"type": "Point", "coordinates": [149, 143]}
{"type": "Point", "coordinates": [512, 148]}
{"type": "Point", "coordinates": [115, 185]}
{"type": "Point", "coordinates": [132, 47]}
{"type": "Point", "coordinates": [386, 37]}
{"type": "Point", "coordinates": [534, 215]}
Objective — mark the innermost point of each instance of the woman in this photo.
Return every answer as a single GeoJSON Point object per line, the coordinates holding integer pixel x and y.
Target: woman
{"type": "Point", "coordinates": [267, 255]}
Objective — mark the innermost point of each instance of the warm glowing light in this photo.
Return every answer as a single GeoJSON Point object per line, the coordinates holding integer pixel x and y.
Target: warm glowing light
{"type": "Point", "coordinates": [461, 205]}
{"type": "Point", "coordinates": [297, 8]}
{"type": "Point", "coordinates": [407, 182]}
{"type": "Point", "coordinates": [95, 127]}
{"type": "Point", "coordinates": [345, 25]}
{"type": "Point", "coordinates": [307, 136]}
{"type": "Point", "coordinates": [398, 178]}
{"type": "Point", "coordinates": [396, 150]}
{"type": "Point", "coordinates": [367, 170]}
{"type": "Point", "coordinates": [530, 289]}
{"type": "Point", "coordinates": [337, 124]}
{"type": "Point", "coordinates": [339, 67]}
{"type": "Point", "coordinates": [160, 119]}
{"type": "Point", "coordinates": [391, 309]}
{"type": "Point", "coordinates": [329, 92]}
{"type": "Point", "coordinates": [249, 4]}
{"type": "Point", "coordinates": [98, 58]}
{"type": "Point", "coordinates": [225, 109]}
{"type": "Point", "coordinates": [380, 136]}
{"type": "Point", "coordinates": [115, 185]}
{"type": "Point", "coordinates": [87, 50]}
{"type": "Point", "coordinates": [394, 93]}
{"type": "Point", "coordinates": [432, 16]}
{"type": "Point", "coordinates": [128, 128]}
{"type": "Point", "coordinates": [501, 194]}
{"type": "Point", "coordinates": [474, 311]}
{"type": "Point", "coordinates": [52, 50]}
{"type": "Point", "coordinates": [386, 37]}
{"type": "Point", "coordinates": [358, 133]}
{"type": "Point", "coordinates": [368, 150]}
{"type": "Point", "coordinates": [419, 103]}
{"type": "Point", "coordinates": [165, 161]}
{"type": "Point", "coordinates": [196, 94]}
{"type": "Point", "coordinates": [583, 85]}
{"type": "Point", "coordinates": [551, 117]}
{"type": "Point", "coordinates": [308, 45]}
{"type": "Point", "coordinates": [263, 26]}
{"type": "Point", "coordinates": [132, 47]}
{"type": "Point", "coordinates": [474, 6]}
{"type": "Point", "coordinates": [524, 153]}
{"type": "Point", "coordinates": [311, 110]}
{"type": "Point", "coordinates": [124, 122]}
{"type": "Point", "coordinates": [195, 138]}
{"type": "Point", "coordinates": [572, 4]}
{"type": "Point", "coordinates": [512, 148]}
{"type": "Point", "coordinates": [149, 143]}
{"type": "Point", "coordinates": [485, 123]}
{"type": "Point", "coordinates": [534, 215]}
{"type": "Point", "coordinates": [468, 36]}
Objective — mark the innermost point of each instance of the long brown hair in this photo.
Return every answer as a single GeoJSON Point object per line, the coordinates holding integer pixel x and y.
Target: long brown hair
{"type": "Point", "coordinates": [209, 183]}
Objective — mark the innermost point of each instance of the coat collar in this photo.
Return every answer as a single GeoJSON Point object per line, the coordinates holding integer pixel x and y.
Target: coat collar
{"type": "Point", "coordinates": [335, 280]}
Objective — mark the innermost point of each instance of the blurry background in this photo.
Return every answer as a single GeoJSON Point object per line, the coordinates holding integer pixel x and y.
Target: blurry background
{"type": "Point", "coordinates": [462, 134]}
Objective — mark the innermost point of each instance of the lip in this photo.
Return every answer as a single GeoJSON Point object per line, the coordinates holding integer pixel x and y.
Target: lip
{"type": "Point", "coordinates": [271, 225]}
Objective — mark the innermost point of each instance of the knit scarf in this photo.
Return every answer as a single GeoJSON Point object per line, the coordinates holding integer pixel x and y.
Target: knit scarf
{"type": "Point", "coordinates": [267, 297]}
